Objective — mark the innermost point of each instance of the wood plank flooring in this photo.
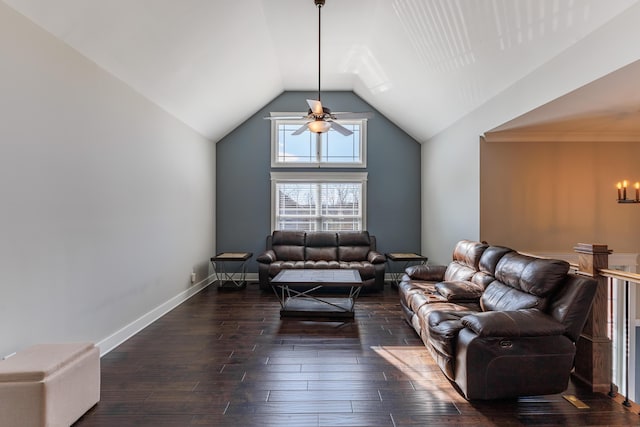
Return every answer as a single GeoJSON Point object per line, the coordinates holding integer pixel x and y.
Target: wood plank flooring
{"type": "Point", "coordinates": [225, 358]}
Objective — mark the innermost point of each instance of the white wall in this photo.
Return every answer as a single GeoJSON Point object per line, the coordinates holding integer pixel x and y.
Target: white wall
{"type": "Point", "coordinates": [107, 202]}
{"type": "Point", "coordinates": [450, 176]}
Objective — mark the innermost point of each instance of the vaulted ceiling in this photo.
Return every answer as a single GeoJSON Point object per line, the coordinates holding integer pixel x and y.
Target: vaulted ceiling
{"type": "Point", "coordinates": [422, 63]}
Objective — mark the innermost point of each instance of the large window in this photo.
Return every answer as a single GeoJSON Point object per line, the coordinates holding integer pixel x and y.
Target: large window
{"type": "Point", "coordinates": [318, 201]}
{"type": "Point", "coordinates": [329, 149]}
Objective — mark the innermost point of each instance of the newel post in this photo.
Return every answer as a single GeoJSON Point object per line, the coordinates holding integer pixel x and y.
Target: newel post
{"type": "Point", "coordinates": [593, 349]}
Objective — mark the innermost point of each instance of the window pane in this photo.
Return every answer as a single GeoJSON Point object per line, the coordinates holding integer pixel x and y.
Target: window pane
{"type": "Point", "coordinates": [311, 150]}
{"type": "Point", "coordinates": [297, 199]}
{"type": "Point", "coordinates": [295, 148]}
{"type": "Point", "coordinates": [315, 206]}
{"type": "Point", "coordinates": [338, 148]}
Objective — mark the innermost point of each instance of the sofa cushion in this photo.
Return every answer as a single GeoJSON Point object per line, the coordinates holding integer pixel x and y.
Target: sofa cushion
{"type": "Point", "coordinates": [490, 258]}
{"type": "Point", "coordinates": [321, 254]}
{"type": "Point", "coordinates": [418, 299]}
{"type": "Point", "coordinates": [523, 282]}
{"type": "Point", "coordinates": [289, 252]}
{"type": "Point", "coordinates": [407, 290]}
{"type": "Point", "coordinates": [288, 245]}
{"type": "Point", "coordinates": [499, 296]}
{"type": "Point", "coordinates": [459, 290]}
{"type": "Point", "coordinates": [457, 272]}
{"type": "Point", "coordinates": [376, 258]}
{"type": "Point", "coordinates": [353, 246]}
{"type": "Point", "coordinates": [468, 253]}
{"type": "Point", "coordinates": [432, 273]}
{"type": "Point", "coordinates": [482, 279]}
{"type": "Point", "coordinates": [536, 276]}
{"type": "Point", "coordinates": [322, 264]}
{"type": "Point", "coordinates": [267, 257]}
{"type": "Point", "coordinates": [519, 323]}
{"type": "Point", "coordinates": [321, 239]}
{"type": "Point", "coordinates": [276, 267]}
{"type": "Point", "coordinates": [354, 238]}
{"type": "Point", "coordinates": [487, 265]}
{"type": "Point", "coordinates": [352, 253]}
{"type": "Point", "coordinates": [288, 237]}
{"type": "Point", "coordinates": [426, 309]}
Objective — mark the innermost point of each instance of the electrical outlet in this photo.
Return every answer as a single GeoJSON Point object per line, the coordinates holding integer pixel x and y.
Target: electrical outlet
{"type": "Point", "coordinates": [193, 277]}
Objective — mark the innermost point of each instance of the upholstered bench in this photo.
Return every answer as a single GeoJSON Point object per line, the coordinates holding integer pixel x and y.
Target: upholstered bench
{"type": "Point", "coordinates": [49, 385]}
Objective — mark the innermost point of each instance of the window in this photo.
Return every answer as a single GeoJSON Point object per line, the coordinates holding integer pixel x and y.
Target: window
{"type": "Point", "coordinates": [318, 201]}
{"type": "Point", "coordinates": [329, 149]}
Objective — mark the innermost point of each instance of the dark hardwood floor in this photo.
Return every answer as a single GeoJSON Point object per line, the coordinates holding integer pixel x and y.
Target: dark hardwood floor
{"type": "Point", "coordinates": [225, 358]}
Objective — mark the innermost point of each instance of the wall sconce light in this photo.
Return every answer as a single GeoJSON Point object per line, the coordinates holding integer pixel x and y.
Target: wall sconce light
{"type": "Point", "coordinates": [622, 192]}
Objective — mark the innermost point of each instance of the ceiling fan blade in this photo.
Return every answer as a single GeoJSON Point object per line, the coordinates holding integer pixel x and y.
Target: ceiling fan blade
{"type": "Point", "coordinates": [340, 129]}
{"type": "Point", "coordinates": [300, 130]}
{"type": "Point", "coordinates": [347, 116]}
{"type": "Point", "coordinates": [284, 117]}
{"type": "Point", "coordinates": [316, 106]}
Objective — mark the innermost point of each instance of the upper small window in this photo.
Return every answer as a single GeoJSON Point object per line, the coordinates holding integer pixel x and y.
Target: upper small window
{"type": "Point", "coordinates": [308, 149]}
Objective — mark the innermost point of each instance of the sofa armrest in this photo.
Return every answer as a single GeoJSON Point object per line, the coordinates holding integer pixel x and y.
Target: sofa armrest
{"type": "Point", "coordinates": [519, 323]}
{"type": "Point", "coordinates": [375, 257]}
{"type": "Point", "coordinates": [459, 290]}
{"type": "Point", "coordinates": [267, 257]}
{"type": "Point", "coordinates": [426, 272]}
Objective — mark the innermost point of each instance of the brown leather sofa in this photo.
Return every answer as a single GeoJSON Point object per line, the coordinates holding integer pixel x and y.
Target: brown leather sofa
{"type": "Point", "coordinates": [499, 324]}
{"type": "Point", "coordinates": [322, 249]}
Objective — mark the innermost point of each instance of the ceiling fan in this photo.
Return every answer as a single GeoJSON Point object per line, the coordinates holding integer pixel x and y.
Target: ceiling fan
{"type": "Point", "coordinates": [320, 119]}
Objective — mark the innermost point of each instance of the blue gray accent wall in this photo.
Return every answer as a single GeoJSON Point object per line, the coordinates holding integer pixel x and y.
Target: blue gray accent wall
{"type": "Point", "coordinates": [243, 186]}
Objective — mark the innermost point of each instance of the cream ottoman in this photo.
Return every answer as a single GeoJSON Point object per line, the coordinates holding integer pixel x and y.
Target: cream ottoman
{"type": "Point", "coordinates": [49, 385]}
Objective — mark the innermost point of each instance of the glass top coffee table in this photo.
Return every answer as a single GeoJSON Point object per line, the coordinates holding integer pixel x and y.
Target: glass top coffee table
{"type": "Point", "coordinates": [295, 287]}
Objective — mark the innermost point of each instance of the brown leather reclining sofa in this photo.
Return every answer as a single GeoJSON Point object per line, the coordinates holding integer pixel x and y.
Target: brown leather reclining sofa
{"type": "Point", "coordinates": [499, 324]}
{"type": "Point", "coordinates": [322, 249]}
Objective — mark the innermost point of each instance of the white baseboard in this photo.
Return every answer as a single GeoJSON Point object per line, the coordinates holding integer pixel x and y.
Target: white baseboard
{"type": "Point", "coordinates": [120, 336]}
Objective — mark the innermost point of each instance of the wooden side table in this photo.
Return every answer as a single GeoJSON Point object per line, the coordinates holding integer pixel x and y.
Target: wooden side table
{"type": "Point", "coordinates": [405, 259]}
{"type": "Point", "coordinates": [230, 269]}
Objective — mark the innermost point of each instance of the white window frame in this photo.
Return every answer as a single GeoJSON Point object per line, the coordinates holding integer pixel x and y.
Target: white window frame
{"type": "Point", "coordinates": [318, 177]}
{"type": "Point", "coordinates": [275, 163]}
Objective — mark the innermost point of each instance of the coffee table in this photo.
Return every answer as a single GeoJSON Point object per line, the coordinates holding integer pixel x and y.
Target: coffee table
{"type": "Point", "coordinates": [295, 288]}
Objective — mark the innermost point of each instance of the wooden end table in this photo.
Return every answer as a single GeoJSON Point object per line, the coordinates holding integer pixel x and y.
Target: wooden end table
{"type": "Point", "coordinates": [405, 259]}
{"type": "Point", "coordinates": [226, 277]}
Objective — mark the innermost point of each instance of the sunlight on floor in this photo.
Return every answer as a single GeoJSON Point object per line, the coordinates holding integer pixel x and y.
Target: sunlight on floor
{"type": "Point", "coordinates": [419, 367]}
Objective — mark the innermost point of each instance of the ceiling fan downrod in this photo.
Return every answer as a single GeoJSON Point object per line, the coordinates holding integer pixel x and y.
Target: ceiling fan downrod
{"type": "Point", "coordinates": [319, 4]}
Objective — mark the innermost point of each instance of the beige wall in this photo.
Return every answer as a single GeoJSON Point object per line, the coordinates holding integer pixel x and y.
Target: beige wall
{"type": "Point", "coordinates": [548, 196]}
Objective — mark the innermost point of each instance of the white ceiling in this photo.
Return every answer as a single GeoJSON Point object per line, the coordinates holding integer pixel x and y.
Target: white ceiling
{"type": "Point", "coordinates": [422, 63]}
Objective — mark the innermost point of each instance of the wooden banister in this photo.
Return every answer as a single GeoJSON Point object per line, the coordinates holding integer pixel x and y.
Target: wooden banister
{"type": "Point", "coordinates": [593, 349]}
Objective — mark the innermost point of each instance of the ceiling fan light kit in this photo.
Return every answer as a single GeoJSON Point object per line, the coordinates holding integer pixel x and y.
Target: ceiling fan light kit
{"type": "Point", "coordinates": [320, 119]}
{"type": "Point", "coordinates": [319, 126]}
